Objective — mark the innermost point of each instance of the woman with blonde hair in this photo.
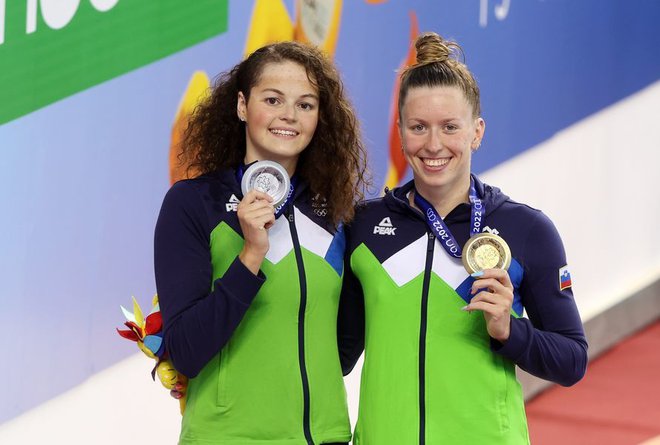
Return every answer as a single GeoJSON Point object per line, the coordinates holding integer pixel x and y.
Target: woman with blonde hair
{"type": "Point", "coordinates": [441, 269]}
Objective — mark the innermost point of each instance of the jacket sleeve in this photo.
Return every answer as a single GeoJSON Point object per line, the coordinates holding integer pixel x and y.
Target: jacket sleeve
{"type": "Point", "coordinates": [199, 316]}
{"type": "Point", "coordinates": [350, 322]}
{"type": "Point", "coordinates": [550, 344]}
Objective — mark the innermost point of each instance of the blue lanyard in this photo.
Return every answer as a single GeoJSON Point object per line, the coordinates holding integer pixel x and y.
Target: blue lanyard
{"type": "Point", "coordinates": [282, 207]}
{"type": "Point", "coordinates": [440, 229]}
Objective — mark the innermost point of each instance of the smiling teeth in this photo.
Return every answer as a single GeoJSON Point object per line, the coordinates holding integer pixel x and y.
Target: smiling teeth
{"type": "Point", "coordinates": [436, 162]}
{"type": "Point", "coordinates": [284, 132]}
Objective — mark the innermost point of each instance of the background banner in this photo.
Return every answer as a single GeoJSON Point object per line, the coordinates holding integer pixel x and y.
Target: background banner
{"type": "Point", "coordinates": [52, 49]}
{"type": "Point", "coordinates": [95, 93]}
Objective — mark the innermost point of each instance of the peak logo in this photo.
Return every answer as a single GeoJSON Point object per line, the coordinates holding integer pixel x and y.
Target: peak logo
{"type": "Point", "coordinates": [385, 227]}
{"type": "Point", "coordinates": [232, 204]}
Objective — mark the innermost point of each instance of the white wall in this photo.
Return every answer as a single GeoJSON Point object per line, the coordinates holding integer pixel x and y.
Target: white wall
{"type": "Point", "coordinates": [597, 180]}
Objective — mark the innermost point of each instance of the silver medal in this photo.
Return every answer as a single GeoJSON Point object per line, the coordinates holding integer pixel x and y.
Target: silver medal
{"type": "Point", "coordinates": [268, 177]}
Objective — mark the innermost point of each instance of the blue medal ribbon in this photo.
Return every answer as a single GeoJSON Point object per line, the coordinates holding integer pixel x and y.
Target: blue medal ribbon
{"type": "Point", "coordinates": [282, 207]}
{"type": "Point", "coordinates": [440, 229]}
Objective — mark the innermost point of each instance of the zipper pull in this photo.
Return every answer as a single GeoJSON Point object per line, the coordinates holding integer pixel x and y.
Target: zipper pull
{"type": "Point", "coordinates": [429, 246]}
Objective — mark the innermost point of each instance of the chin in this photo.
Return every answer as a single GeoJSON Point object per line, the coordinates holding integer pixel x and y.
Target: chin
{"type": "Point", "coordinates": [435, 178]}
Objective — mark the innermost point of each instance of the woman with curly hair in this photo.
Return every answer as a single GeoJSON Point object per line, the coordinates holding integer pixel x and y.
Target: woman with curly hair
{"type": "Point", "coordinates": [249, 293]}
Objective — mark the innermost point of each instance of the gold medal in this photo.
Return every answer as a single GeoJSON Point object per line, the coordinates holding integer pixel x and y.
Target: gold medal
{"type": "Point", "coordinates": [486, 251]}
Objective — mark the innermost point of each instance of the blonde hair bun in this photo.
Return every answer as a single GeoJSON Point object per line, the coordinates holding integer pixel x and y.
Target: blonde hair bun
{"type": "Point", "coordinates": [432, 48]}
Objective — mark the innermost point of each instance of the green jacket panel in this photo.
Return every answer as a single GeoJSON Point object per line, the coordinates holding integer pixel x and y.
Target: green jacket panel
{"type": "Point", "coordinates": [459, 367]}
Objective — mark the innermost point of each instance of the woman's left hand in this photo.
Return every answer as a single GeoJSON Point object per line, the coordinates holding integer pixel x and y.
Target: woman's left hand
{"type": "Point", "coordinates": [493, 295]}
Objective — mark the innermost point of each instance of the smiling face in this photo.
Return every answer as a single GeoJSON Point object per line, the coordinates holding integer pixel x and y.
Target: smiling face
{"type": "Point", "coordinates": [438, 133]}
{"type": "Point", "coordinates": [281, 114]}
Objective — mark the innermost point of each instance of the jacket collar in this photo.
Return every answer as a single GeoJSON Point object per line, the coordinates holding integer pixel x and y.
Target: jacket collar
{"type": "Point", "coordinates": [397, 200]}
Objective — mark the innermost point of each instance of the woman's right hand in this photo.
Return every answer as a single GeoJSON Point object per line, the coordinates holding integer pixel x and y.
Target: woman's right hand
{"type": "Point", "coordinates": [256, 215]}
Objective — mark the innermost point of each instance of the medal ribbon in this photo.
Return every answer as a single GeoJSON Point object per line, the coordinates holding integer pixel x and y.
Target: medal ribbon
{"type": "Point", "coordinates": [440, 229]}
{"type": "Point", "coordinates": [282, 207]}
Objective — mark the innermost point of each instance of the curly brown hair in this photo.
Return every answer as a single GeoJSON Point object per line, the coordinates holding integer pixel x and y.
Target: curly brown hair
{"type": "Point", "coordinates": [333, 164]}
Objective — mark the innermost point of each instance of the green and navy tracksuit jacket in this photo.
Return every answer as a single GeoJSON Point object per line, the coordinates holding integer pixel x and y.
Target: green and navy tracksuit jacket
{"type": "Point", "coordinates": [260, 351]}
{"type": "Point", "coordinates": [431, 374]}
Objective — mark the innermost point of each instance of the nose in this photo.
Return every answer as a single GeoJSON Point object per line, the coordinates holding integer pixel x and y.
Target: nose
{"type": "Point", "coordinates": [288, 112]}
{"type": "Point", "coordinates": [435, 140]}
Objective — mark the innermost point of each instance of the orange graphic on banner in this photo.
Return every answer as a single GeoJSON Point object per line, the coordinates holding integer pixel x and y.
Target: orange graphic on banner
{"type": "Point", "coordinates": [270, 23]}
{"type": "Point", "coordinates": [316, 22]}
{"type": "Point", "coordinates": [198, 88]}
{"type": "Point", "coordinates": [397, 163]}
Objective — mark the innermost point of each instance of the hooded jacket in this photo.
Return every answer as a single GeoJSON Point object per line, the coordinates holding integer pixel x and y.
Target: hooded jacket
{"type": "Point", "coordinates": [431, 373]}
{"type": "Point", "coordinates": [260, 351]}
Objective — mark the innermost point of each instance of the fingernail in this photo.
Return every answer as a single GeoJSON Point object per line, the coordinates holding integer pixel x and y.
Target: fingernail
{"type": "Point", "coordinates": [477, 274]}
{"type": "Point", "coordinates": [465, 308]}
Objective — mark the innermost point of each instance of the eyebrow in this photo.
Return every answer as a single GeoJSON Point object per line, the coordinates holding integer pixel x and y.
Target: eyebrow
{"type": "Point", "coordinates": [276, 91]}
{"type": "Point", "coordinates": [444, 121]}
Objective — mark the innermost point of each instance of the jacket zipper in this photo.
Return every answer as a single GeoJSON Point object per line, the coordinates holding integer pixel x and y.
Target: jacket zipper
{"type": "Point", "coordinates": [301, 325]}
{"type": "Point", "coordinates": [422, 338]}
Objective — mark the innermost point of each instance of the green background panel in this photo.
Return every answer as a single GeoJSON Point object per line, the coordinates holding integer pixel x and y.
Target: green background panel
{"type": "Point", "coordinates": [47, 65]}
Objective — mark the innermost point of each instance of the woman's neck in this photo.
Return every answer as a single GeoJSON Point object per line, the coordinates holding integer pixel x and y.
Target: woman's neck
{"type": "Point", "coordinates": [444, 199]}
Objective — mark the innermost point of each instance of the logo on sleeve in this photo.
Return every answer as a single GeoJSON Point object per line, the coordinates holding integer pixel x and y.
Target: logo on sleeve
{"type": "Point", "coordinates": [232, 205]}
{"type": "Point", "coordinates": [384, 227]}
{"type": "Point", "coordinates": [564, 278]}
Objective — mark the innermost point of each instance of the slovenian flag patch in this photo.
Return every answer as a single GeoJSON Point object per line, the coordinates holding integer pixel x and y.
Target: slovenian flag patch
{"type": "Point", "coordinates": [564, 278]}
